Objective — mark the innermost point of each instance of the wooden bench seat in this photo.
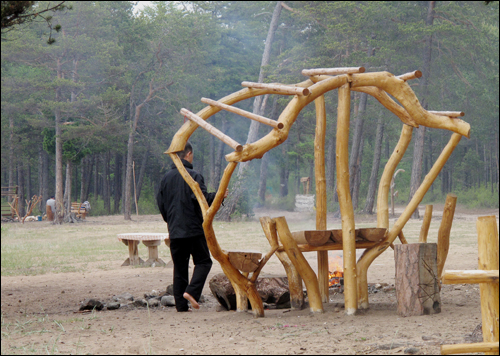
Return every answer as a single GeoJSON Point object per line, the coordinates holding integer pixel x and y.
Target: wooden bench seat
{"type": "Point", "coordinates": [78, 210]}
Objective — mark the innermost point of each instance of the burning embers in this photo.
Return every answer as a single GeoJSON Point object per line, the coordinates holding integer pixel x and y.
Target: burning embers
{"type": "Point", "coordinates": [335, 272]}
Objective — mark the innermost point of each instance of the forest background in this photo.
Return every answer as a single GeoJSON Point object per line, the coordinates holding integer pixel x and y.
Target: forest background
{"type": "Point", "coordinates": [93, 112]}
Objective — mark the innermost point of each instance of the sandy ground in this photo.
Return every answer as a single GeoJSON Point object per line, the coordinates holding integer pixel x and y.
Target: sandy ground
{"type": "Point", "coordinates": [39, 312]}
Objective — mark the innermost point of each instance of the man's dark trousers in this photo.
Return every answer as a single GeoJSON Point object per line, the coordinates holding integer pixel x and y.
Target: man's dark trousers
{"type": "Point", "coordinates": [181, 249]}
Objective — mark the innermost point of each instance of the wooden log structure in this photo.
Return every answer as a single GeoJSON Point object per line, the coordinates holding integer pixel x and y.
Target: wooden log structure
{"type": "Point", "coordinates": [320, 180]}
{"type": "Point", "coordinates": [487, 277]}
{"type": "Point", "coordinates": [370, 254]}
{"type": "Point", "coordinates": [294, 279]}
{"type": "Point", "coordinates": [448, 113]}
{"type": "Point", "coordinates": [470, 277]}
{"type": "Point", "coordinates": [410, 75]}
{"type": "Point", "coordinates": [345, 202]}
{"type": "Point", "coordinates": [245, 261]}
{"type": "Point", "coordinates": [487, 235]}
{"type": "Point", "coordinates": [249, 115]}
{"type": "Point", "coordinates": [305, 271]}
{"type": "Point", "coordinates": [333, 71]}
{"type": "Point", "coordinates": [424, 230]}
{"type": "Point", "coordinates": [382, 86]}
{"type": "Point", "coordinates": [215, 132]}
{"type": "Point", "coordinates": [278, 88]}
{"type": "Point", "coordinates": [417, 284]}
{"type": "Point", "coordinates": [443, 240]}
{"type": "Point", "coordinates": [489, 348]}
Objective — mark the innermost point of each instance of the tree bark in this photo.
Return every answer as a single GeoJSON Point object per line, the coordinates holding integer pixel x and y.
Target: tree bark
{"type": "Point", "coordinates": [284, 171]}
{"type": "Point", "coordinates": [357, 172]}
{"type": "Point", "coordinates": [67, 191]}
{"type": "Point", "coordinates": [20, 192]}
{"type": "Point", "coordinates": [130, 144]}
{"type": "Point", "coordinates": [418, 151]}
{"type": "Point", "coordinates": [372, 185]}
{"type": "Point", "coordinates": [106, 194]}
{"type": "Point", "coordinates": [265, 158]}
{"type": "Point", "coordinates": [356, 141]}
{"type": "Point", "coordinates": [330, 163]}
{"type": "Point", "coordinates": [117, 182]}
{"type": "Point", "coordinates": [11, 154]}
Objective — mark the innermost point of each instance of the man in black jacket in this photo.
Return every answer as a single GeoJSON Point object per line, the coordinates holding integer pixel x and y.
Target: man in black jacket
{"type": "Point", "coordinates": [182, 212]}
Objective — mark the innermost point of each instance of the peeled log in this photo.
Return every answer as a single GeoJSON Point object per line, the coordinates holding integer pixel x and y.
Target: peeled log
{"type": "Point", "coordinates": [245, 261]}
{"type": "Point", "coordinates": [313, 237]}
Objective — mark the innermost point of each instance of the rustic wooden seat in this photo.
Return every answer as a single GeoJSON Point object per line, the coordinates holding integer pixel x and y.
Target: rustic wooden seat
{"type": "Point", "coordinates": [245, 261]}
{"type": "Point", "coordinates": [78, 210]}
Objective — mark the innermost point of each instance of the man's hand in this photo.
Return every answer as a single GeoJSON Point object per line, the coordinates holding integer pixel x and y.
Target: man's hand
{"type": "Point", "coordinates": [226, 193]}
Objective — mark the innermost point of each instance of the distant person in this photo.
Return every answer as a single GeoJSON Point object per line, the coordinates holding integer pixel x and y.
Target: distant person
{"type": "Point", "coordinates": [181, 211]}
{"type": "Point", "coordinates": [52, 203]}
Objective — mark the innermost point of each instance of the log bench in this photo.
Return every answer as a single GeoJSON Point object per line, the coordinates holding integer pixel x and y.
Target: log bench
{"type": "Point", "coordinates": [292, 245]}
{"type": "Point", "coordinates": [78, 210]}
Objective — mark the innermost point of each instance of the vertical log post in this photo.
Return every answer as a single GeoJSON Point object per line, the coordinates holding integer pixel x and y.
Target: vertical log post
{"type": "Point", "coordinates": [443, 241]}
{"type": "Point", "coordinates": [425, 224]}
{"type": "Point", "coordinates": [487, 235]}
{"type": "Point", "coordinates": [299, 261]}
{"type": "Point", "coordinates": [319, 175]}
{"type": "Point", "coordinates": [345, 202]}
{"type": "Point", "coordinates": [417, 283]}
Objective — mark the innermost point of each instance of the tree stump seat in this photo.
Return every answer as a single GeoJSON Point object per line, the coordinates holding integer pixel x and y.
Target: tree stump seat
{"type": "Point", "coordinates": [245, 261]}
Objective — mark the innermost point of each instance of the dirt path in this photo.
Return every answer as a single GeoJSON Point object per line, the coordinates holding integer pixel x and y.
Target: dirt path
{"type": "Point", "coordinates": [38, 312]}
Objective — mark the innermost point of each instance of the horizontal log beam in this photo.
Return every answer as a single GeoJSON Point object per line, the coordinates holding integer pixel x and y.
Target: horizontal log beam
{"type": "Point", "coordinates": [469, 348]}
{"type": "Point", "coordinates": [448, 113]}
{"type": "Point", "coordinates": [278, 88]}
{"type": "Point", "coordinates": [410, 75]}
{"type": "Point", "coordinates": [221, 136]}
{"type": "Point", "coordinates": [469, 277]}
{"type": "Point", "coordinates": [333, 71]}
{"type": "Point", "coordinates": [249, 115]}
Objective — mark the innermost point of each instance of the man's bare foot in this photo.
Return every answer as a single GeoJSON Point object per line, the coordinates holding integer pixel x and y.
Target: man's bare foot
{"type": "Point", "coordinates": [193, 302]}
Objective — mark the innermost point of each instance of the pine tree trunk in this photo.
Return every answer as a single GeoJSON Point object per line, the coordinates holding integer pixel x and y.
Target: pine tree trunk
{"type": "Point", "coordinates": [239, 187]}
{"type": "Point", "coordinates": [28, 182]}
{"type": "Point", "coordinates": [20, 191]}
{"type": "Point", "coordinates": [418, 151]}
{"type": "Point", "coordinates": [142, 172]}
{"type": "Point", "coordinates": [45, 180]}
{"type": "Point", "coordinates": [96, 176]}
{"type": "Point", "coordinates": [67, 191]}
{"type": "Point", "coordinates": [117, 182]}
{"type": "Point", "coordinates": [330, 164]}
{"type": "Point", "coordinates": [284, 171]}
{"type": "Point", "coordinates": [357, 175]}
{"type": "Point", "coordinates": [263, 178]}
{"type": "Point", "coordinates": [11, 154]}
{"type": "Point", "coordinates": [106, 186]}
{"type": "Point", "coordinates": [356, 141]}
{"type": "Point", "coordinates": [372, 185]}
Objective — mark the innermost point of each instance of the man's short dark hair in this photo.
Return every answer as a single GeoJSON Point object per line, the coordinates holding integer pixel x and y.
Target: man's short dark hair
{"type": "Point", "coordinates": [188, 148]}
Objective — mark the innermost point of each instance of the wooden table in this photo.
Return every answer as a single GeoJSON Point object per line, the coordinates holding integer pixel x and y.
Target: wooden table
{"type": "Point", "coordinates": [151, 240]}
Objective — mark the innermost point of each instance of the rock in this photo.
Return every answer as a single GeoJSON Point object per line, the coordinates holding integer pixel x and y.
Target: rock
{"type": "Point", "coordinates": [168, 301]}
{"type": "Point", "coordinates": [123, 297]}
{"type": "Point", "coordinates": [170, 289]}
{"type": "Point", "coordinates": [427, 338]}
{"type": "Point", "coordinates": [378, 286]}
{"type": "Point", "coordinates": [388, 289]}
{"type": "Point", "coordinates": [202, 299]}
{"type": "Point", "coordinates": [113, 305]}
{"type": "Point", "coordinates": [336, 310]}
{"type": "Point", "coordinates": [411, 351]}
{"type": "Point", "coordinates": [140, 303]}
{"type": "Point", "coordinates": [91, 304]}
{"type": "Point", "coordinates": [154, 302]}
{"type": "Point", "coordinates": [152, 294]}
